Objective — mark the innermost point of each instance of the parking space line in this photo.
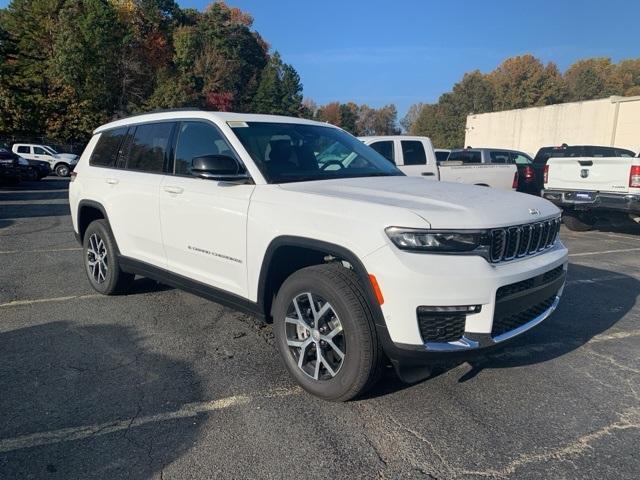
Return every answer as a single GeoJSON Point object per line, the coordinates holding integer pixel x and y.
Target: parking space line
{"type": "Point", "coordinates": [188, 410]}
{"type": "Point", "coordinates": [602, 252]}
{"type": "Point", "coordinates": [18, 303]}
{"type": "Point", "coordinates": [70, 249]}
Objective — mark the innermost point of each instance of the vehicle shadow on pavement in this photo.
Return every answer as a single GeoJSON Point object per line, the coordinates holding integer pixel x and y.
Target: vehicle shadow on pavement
{"type": "Point", "coordinates": [91, 402]}
{"type": "Point", "coordinates": [588, 308]}
{"type": "Point", "coordinates": [5, 223]}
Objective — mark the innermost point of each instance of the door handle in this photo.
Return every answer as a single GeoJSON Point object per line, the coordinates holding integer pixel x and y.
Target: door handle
{"type": "Point", "coordinates": [112, 181]}
{"type": "Point", "coordinates": [171, 189]}
{"type": "Point", "coordinates": [427, 174]}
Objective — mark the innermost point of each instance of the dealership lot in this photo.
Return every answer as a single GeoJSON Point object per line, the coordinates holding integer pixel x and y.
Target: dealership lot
{"type": "Point", "coordinates": [162, 384]}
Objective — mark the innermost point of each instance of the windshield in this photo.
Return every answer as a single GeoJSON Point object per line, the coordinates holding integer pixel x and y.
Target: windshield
{"type": "Point", "coordinates": [50, 150]}
{"type": "Point", "coordinates": [291, 152]}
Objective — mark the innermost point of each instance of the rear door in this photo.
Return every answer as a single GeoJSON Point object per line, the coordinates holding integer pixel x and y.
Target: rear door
{"type": "Point", "coordinates": [605, 174]}
{"type": "Point", "coordinates": [25, 151]}
{"type": "Point", "coordinates": [133, 192]}
{"type": "Point", "coordinates": [204, 222]}
{"type": "Point", "coordinates": [416, 161]}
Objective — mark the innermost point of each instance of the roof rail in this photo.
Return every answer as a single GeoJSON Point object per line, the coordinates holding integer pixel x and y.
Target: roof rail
{"type": "Point", "coordinates": [165, 110]}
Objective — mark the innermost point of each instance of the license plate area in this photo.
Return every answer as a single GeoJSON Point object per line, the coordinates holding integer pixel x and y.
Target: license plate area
{"type": "Point", "coordinates": [587, 197]}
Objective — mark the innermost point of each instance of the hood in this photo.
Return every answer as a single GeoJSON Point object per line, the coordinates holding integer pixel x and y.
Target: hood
{"type": "Point", "coordinates": [441, 204]}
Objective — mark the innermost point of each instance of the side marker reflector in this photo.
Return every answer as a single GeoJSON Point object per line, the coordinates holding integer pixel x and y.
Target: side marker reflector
{"type": "Point", "coordinates": [376, 288]}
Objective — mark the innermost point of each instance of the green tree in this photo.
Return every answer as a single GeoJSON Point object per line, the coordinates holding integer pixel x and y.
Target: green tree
{"type": "Point", "coordinates": [524, 81]}
{"type": "Point", "coordinates": [279, 91]}
{"type": "Point", "coordinates": [593, 78]}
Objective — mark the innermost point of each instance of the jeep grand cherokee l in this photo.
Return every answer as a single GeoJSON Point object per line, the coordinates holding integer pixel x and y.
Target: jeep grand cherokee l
{"type": "Point", "coordinates": [355, 263]}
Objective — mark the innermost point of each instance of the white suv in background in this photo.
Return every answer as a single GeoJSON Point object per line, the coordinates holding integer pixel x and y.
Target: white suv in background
{"type": "Point", "coordinates": [301, 224]}
{"type": "Point", "coordinates": [61, 163]}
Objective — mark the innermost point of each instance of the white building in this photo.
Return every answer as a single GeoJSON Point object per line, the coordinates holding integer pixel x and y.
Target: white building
{"type": "Point", "coordinates": [613, 121]}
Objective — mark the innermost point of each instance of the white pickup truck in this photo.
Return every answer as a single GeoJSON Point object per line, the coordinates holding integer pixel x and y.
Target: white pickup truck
{"type": "Point", "coordinates": [592, 188]}
{"type": "Point", "coordinates": [416, 156]}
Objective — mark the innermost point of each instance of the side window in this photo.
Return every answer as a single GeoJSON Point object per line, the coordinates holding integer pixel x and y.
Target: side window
{"type": "Point", "coordinates": [520, 159]}
{"type": "Point", "coordinates": [413, 152]}
{"type": "Point", "coordinates": [106, 150]}
{"type": "Point", "coordinates": [24, 149]}
{"type": "Point", "coordinates": [385, 149]}
{"type": "Point", "coordinates": [499, 157]}
{"type": "Point", "coordinates": [40, 151]}
{"type": "Point", "coordinates": [442, 156]}
{"type": "Point", "coordinates": [465, 156]}
{"type": "Point", "coordinates": [148, 148]}
{"type": "Point", "coordinates": [196, 139]}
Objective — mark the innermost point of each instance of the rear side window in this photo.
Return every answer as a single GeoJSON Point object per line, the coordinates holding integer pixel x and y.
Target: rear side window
{"type": "Point", "coordinates": [413, 152]}
{"type": "Point", "coordinates": [148, 148]}
{"type": "Point", "coordinates": [196, 139]}
{"type": "Point", "coordinates": [106, 150]}
{"type": "Point", "coordinates": [23, 149]}
{"type": "Point", "coordinates": [499, 157]}
{"type": "Point", "coordinates": [520, 159]}
{"type": "Point", "coordinates": [385, 149]}
{"type": "Point", "coordinates": [442, 156]}
{"type": "Point", "coordinates": [465, 156]}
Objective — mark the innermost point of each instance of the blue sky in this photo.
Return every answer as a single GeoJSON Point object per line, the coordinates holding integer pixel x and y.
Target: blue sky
{"type": "Point", "coordinates": [407, 51]}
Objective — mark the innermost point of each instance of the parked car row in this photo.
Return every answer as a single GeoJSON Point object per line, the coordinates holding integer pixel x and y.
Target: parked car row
{"type": "Point", "coordinates": [23, 161]}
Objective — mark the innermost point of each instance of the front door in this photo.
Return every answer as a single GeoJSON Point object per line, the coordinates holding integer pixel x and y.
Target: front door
{"type": "Point", "coordinates": [204, 222]}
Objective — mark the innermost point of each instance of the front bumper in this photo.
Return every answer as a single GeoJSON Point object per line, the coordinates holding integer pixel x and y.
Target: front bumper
{"type": "Point", "coordinates": [622, 202]}
{"type": "Point", "coordinates": [512, 297]}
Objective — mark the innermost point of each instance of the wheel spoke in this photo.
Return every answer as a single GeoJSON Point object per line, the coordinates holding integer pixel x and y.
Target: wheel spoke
{"type": "Point", "coordinates": [303, 354]}
{"type": "Point", "coordinates": [300, 322]}
{"type": "Point", "coordinates": [326, 365]}
{"type": "Point", "coordinates": [313, 310]}
{"type": "Point", "coordinates": [334, 332]}
{"type": "Point", "coordinates": [299, 343]}
{"type": "Point", "coordinates": [316, 372]}
{"type": "Point", "coordinates": [334, 347]}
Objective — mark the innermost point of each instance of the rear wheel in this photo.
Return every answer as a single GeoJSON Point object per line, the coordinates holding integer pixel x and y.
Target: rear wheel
{"type": "Point", "coordinates": [101, 261]}
{"type": "Point", "coordinates": [325, 332]}
{"type": "Point", "coordinates": [578, 221]}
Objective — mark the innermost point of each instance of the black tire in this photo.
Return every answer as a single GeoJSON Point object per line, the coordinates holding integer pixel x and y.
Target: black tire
{"type": "Point", "coordinates": [578, 222]}
{"type": "Point", "coordinates": [63, 170]}
{"type": "Point", "coordinates": [113, 281]}
{"type": "Point", "coordinates": [363, 357]}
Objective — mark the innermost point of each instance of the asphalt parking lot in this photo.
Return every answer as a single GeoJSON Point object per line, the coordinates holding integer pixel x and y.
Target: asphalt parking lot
{"type": "Point", "coordinates": [163, 384]}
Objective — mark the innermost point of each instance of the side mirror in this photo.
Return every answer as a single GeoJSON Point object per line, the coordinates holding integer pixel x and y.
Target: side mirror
{"type": "Point", "coordinates": [217, 167]}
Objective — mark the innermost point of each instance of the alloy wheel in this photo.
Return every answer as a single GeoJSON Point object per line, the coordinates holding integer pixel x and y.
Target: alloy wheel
{"type": "Point", "coordinates": [97, 259]}
{"type": "Point", "coordinates": [315, 336]}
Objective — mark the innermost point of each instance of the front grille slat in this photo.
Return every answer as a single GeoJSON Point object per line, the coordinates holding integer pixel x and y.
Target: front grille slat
{"type": "Point", "coordinates": [523, 240]}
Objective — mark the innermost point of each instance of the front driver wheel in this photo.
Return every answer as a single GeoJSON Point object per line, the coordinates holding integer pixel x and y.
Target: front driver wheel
{"type": "Point", "coordinates": [325, 332]}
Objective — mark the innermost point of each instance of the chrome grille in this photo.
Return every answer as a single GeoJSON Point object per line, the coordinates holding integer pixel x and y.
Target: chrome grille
{"type": "Point", "coordinates": [523, 240]}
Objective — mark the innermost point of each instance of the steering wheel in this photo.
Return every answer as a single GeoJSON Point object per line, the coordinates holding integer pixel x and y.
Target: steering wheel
{"type": "Point", "coordinates": [331, 162]}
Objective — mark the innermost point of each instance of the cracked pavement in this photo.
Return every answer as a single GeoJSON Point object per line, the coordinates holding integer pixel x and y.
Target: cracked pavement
{"type": "Point", "coordinates": [163, 384]}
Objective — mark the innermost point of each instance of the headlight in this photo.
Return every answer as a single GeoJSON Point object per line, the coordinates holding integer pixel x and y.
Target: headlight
{"type": "Point", "coordinates": [420, 240]}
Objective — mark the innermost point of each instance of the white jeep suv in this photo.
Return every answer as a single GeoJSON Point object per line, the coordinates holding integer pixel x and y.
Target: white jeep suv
{"type": "Point", "coordinates": [355, 263]}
